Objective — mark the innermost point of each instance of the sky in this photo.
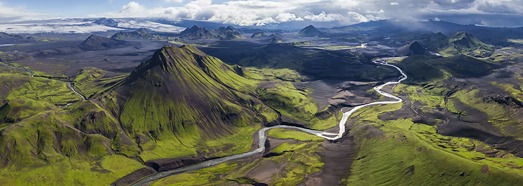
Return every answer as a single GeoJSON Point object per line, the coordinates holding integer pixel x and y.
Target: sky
{"type": "Point", "coordinates": [263, 12]}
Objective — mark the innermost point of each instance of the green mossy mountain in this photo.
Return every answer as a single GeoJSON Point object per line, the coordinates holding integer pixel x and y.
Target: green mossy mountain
{"type": "Point", "coordinates": [180, 103]}
{"type": "Point", "coordinates": [468, 44]}
{"type": "Point", "coordinates": [182, 90]}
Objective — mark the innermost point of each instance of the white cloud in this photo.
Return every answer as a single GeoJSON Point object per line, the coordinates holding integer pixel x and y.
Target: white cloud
{"type": "Point", "coordinates": [324, 17]}
{"type": "Point", "coordinates": [261, 12]}
{"type": "Point", "coordinates": [286, 17]}
{"type": "Point", "coordinates": [172, 1]}
{"type": "Point", "coordinates": [11, 14]}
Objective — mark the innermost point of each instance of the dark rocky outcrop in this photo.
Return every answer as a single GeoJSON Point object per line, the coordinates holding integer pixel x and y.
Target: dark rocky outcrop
{"type": "Point", "coordinates": [161, 165]}
{"type": "Point", "coordinates": [134, 177]}
{"type": "Point", "coordinates": [504, 100]}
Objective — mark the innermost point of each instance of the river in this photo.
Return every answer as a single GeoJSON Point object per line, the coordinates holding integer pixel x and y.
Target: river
{"type": "Point", "coordinates": [262, 133]}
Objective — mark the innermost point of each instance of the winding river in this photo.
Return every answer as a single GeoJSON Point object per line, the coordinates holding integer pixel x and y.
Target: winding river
{"type": "Point", "coordinates": [71, 86]}
{"type": "Point", "coordinates": [262, 133]}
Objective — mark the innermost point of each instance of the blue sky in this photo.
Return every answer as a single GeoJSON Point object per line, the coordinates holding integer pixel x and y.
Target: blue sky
{"type": "Point", "coordinates": [78, 7]}
{"type": "Point", "coordinates": [261, 12]}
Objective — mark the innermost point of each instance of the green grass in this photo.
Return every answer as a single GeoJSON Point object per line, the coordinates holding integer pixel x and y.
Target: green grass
{"type": "Point", "coordinates": [93, 80]}
{"type": "Point", "coordinates": [496, 113]}
{"type": "Point", "coordinates": [43, 89]}
{"type": "Point", "coordinates": [293, 134]}
{"type": "Point", "coordinates": [407, 153]}
{"type": "Point", "coordinates": [300, 160]}
{"type": "Point", "coordinates": [71, 171]}
{"type": "Point", "coordinates": [171, 146]}
{"type": "Point", "coordinates": [401, 159]}
{"type": "Point", "coordinates": [287, 147]}
{"type": "Point", "coordinates": [239, 142]}
{"type": "Point", "coordinates": [288, 100]}
{"type": "Point", "coordinates": [431, 96]}
{"type": "Point", "coordinates": [209, 176]}
{"type": "Point", "coordinates": [270, 74]}
{"type": "Point", "coordinates": [296, 162]}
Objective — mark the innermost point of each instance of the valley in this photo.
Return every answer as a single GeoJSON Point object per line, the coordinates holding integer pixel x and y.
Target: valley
{"type": "Point", "coordinates": [367, 104]}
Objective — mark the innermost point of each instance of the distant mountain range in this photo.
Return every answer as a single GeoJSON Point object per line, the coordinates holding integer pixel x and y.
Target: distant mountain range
{"type": "Point", "coordinates": [457, 44]}
{"type": "Point", "coordinates": [140, 34]}
{"type": "Point", "coordinates": [391, 28]}
{"type": "Point", "coordinates": [6, 38]}
{"type": "Point", "coordinates": [223, 33]}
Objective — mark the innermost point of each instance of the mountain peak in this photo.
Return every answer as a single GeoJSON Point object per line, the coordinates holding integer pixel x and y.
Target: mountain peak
{"type": "Point", "coordinates": [310, 31]}
{"type": "Point", "coordinates": [192, 90]}
{"type": "Point", "coordinates": [170, 58]}
{"type": "Point", "coordinates": [310, 27]}
{"type": "Point", "coordinates": [413, 48]}
{"type": "Point", "coordinates": [467, 41]}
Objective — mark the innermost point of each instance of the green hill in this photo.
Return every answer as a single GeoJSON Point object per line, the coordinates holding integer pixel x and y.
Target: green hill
{"type": "Point", "coordinates": [180, 103]}
{"type": "Point", "coordinates": [468, 44]}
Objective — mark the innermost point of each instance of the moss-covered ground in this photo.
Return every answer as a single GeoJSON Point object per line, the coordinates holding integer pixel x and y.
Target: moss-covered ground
{"type": "Point", "coordinates": [408, 153]}
{"type": "Point", "coordinates": [295, 161]}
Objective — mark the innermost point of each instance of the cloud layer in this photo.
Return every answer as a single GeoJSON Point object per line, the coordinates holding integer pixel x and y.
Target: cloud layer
{"type": "Point", "coordinates": [338, 12]}
{"type": "Point", "coordinates": [259, 12]}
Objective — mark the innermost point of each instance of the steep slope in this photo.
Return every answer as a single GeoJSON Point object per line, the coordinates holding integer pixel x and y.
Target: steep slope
{"type": "Point", "coordinates": [413, 48]}
{"type": "Point", "coordinates": [185, 92]}
{"type": "Point", "coordinates": [468, 44]}
{"type": "Point", "coordinates": [95, 42]}
{"type": "Point", "coordinates": [310, 31]}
